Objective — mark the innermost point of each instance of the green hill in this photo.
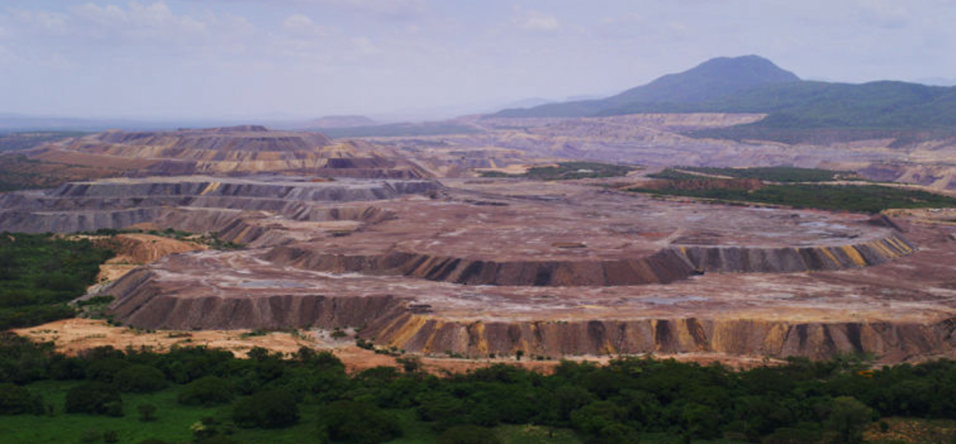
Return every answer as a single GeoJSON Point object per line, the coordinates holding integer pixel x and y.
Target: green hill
{"type": "Point", "coordinates": [755, 85]}
{"type": "Point", "coordinates": [710, 80]}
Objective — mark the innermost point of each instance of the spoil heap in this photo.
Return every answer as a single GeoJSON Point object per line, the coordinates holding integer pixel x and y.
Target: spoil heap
{"type": "Point", "coordinates": [491, 267]}
{"type": "Point", "coordinates": [234, 150]}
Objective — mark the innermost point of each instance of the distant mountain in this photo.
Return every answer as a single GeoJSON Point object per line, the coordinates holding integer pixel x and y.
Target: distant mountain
{"type": "Point", "coordinates": [340, 122]}
{"type": "Point", "coordinates": [712, 79]}
{"type": "Point", "coordinates": [527, 103]}
{"type": "Point", "coordinates": [754, 85]}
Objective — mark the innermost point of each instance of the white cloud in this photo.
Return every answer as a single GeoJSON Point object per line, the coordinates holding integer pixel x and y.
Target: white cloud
{"type": "Point", "coordinates": [8, 57]}
{"type": "Point", "coordinates": [49, 21]}
{"type": "Point", "coordinates": [365, 45]}
{"type": "Point", "coordinates": [154, 21]}
{"type": "Point", "coordinates": [884, 13]}
{"type": "Point", "coordinates": [302, 25]}
{"type": "Point", "coordinates": [393, 9]}
{"type": "Point", "coordinates": [537, 21]}
{"type": "Point", "coordinates": [631, 18]}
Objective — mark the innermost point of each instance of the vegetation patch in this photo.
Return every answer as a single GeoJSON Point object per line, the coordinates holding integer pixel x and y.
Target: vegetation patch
{"type": "Point", "coordinates": [568, 171]}
{"type": "Point", "coordinates": [770, 174]}
{"type": "Point", "coordinates": [41, 273]}
{"type": "Point", "coordinates": [19, 172]}
{"type": "Point", "coordinates": [857, 198]}
{"type": "Point", "coordinates": [309, 397]}
{"type": "Point", "coordinates": [25, 140]}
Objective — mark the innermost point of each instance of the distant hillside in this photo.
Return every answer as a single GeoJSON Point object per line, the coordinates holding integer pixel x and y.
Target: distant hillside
{"type": "Point", "coordinates": [710, 80]}
{"type": "Point", "coordinates": [340, 122]}
{"type": "Point", "coordinates": [719, 85]}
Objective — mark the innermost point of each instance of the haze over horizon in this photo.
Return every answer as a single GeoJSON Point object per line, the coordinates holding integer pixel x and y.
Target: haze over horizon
{"type": "Point", "coordinates": [292, 59]}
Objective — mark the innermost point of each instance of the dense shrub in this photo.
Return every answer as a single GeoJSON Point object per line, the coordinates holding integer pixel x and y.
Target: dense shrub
{"type": "Point", "coordinates": [270, 409]}
{"type": "Point", "coordinates": [206, 391]}
{"type": "Point", "coordinates": [95, 398]}
{"type": "Point", "coordinates": [140, 379]}
{"type": "Point", "coordinates": [353, 422]}
{"type": "Point", "coordinates": [847, 418]}
{"type": "Point", "coordinates": [105, 370]}
{"type": "Point", "coordinates": [16, 400]}
{"type": "Point", "coordinates": [40, 273]}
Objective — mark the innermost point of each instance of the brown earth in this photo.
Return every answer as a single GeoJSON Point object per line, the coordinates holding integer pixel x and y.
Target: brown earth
{"type": "Point", "coordinates": [235, 150]}
{"type": "Point", "coordinates": [18, 172]}
{"type": "Point", "coordinates": [480, 267]}
{"type": "Point", "coordinates": [414, 271]}
{"type": "Point", "coordinates": [72, 336]}
{"type": "Point", "coordinates": [137, 249]}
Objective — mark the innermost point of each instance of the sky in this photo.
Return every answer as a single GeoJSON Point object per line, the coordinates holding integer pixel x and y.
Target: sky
{"type": "Point", "coordinates": [297, 59]}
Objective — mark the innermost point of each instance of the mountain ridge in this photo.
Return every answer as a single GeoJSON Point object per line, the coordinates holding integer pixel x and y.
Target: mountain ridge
{"type": "Point", "coordinates": [714, 78]}
{"type": "Point", "coordinates": [788, 103]}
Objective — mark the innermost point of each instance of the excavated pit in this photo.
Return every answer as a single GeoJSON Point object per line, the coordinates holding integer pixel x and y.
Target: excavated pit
{"type": "Point", "coordinates": [486, 267]}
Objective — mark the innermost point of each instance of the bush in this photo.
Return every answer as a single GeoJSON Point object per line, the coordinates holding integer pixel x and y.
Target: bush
{"type": "Point", "coordinates": [357, 423]}
{"type": "Point", "coordinates": [106, 369]}
{"type": "Point", "coordinates": [111, 437]}
{"type": "Point", "coordinates": [206, 391]}
{"type": "Point", "coordinates": [469, 434]}
{"type": "Point", "coordinates": [16, 400]}
{"type": "Point", "coordinates": [96, 398]}
{"type": "Point", "coordinates": [847, 418]}
{"type": "Point", "coordinates": [140, 379]}
{"type": "Point", "coordinates": [786, 435]}
{"type": "Point", "coordinates": [269, 409]}
{"type": "Point", "coordinates": [147, 412]}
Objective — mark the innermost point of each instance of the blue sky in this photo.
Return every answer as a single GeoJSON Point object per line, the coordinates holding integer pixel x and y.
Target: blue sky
{"type": "Point", "coordinates": [307, 58]}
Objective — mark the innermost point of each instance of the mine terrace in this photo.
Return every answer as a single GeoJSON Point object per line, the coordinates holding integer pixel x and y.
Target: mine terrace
{"type": "Point", "coordinates": [478, 267]}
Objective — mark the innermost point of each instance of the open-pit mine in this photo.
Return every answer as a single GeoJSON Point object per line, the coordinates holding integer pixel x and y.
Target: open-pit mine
{"type": "Point", "coordinates": [478, 267]}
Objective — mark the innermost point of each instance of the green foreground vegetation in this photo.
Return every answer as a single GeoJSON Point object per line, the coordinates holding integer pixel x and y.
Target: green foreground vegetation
{"type": "Point", "coordinates": [40, 274]}
{"type": "Point", "coordinates": [207, 396]}
{"type": "Point", "coordinates": [568, 171]}
{"type": "Point", "coordinates": [869, 198]}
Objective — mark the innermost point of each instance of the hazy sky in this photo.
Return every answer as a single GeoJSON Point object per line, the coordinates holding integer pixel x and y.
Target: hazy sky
{"type": "Point", "coordinates": [307, 58]}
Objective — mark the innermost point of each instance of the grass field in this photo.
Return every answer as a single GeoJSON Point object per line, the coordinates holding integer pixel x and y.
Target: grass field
{"type": "Point", "coordinates": [568, 171]}
{"type": "Point", "coordinates": [856, 198]}
{"type": "Point", "coordinates": [173, 422]}
{"type": "Point", "coordinates": [771, 174]}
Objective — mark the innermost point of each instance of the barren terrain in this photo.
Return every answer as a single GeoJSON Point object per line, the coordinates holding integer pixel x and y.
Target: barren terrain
{"type": "Point", "coordinates": [388, 238]}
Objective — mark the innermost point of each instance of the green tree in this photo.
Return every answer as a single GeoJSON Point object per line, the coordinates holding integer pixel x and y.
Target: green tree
{"type": "Point", "coordinates": [95, 398]}
{"type": "Point", "coordinates": [206, 391]}
{"type": "Point", "coordinates": [847, 418]}
{"type": "Point", "coordinates": [16, 400]}
{"type": "Point", "coordinates": [140, 379]}
{"type": "Point", "coordinates": [147, 412]}
{"type": "Point", "coordinates": [353, 422]}
{"type": "Point", "coordinates": [270, 409]}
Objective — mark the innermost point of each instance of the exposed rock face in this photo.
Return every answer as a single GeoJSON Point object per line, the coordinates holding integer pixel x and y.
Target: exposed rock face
{"type": "Point", "coordinates": [392, 321]}
{"type": "Point", "coordinates": [496, 267]}
{"type": "Point", "coordinates": [142, 305]}
{"type": "Point", "coordinates": [662, 267]}
{"type": "Point", "coordinates": [817, 340]}
{"type": "Point", "coordinates": [195, 204]}
{"type": "Point", "coordinates": [788, 260]}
